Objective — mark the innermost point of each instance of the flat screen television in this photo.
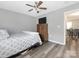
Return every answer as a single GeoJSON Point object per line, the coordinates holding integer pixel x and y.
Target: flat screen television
{"type": "Point", "coordinates": [42, 20]}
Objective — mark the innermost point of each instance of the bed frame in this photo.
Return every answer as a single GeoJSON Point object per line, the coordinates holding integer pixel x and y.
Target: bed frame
{"type": "Point", "coordinates": [19, 53]}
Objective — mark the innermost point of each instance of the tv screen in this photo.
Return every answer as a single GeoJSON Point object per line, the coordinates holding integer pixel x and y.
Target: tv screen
{"type": "Point", "coordinates": [42, 20]}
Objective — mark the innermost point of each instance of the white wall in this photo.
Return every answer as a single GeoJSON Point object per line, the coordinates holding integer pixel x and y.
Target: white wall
{"type": "Point", "coordinates": [15, 22]}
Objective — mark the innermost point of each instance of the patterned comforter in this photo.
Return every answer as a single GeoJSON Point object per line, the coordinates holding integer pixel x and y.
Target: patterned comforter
{"type": "Point", "coordinates": [17, 43]}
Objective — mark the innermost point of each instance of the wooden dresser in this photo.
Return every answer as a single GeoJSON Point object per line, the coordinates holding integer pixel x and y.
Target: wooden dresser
{"type": "Point", "coordinates": [43, 31]}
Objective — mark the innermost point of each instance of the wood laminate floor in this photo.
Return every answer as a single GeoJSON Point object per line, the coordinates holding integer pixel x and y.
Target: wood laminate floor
{"type": "Point", "coordinates": [53, 50]}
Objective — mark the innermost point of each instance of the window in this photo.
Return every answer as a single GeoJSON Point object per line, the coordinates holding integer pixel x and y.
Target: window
{"type": "Point", "coordinates": [69, 25]}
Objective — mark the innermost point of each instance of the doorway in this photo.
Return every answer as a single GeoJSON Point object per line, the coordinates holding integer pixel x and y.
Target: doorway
{"type": "Point", "coordinates": [72, 28]}
{"type": "Point", "coordinates": [71, 24]}
{"type": "Point", "coordinates": [71, 32]}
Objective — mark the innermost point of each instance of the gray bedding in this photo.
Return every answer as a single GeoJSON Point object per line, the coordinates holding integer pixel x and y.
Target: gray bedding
{"type": "Point", "coordinates": [17, 43]}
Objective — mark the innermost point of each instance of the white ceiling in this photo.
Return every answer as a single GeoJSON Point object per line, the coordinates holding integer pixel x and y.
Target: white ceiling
{"type": "Point", "coordinates": [19, 6]}
{"type": "Point", "coordinates": [72, 15]}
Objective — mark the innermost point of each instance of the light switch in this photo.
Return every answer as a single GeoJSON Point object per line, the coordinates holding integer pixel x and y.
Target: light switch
{"type": "Point", "coordinates": [58, 26]}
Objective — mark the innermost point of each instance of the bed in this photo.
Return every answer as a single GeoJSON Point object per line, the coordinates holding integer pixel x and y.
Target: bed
{"type": "Point", "coordinates": [18, 42]}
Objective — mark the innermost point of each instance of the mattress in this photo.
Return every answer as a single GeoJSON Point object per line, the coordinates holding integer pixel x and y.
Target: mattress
{"type": "Point", "coordinates": [17, 43]}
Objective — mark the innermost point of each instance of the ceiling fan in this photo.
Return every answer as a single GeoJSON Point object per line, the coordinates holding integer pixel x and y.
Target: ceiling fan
{"type": "Point", "coordinates": [37, 6]}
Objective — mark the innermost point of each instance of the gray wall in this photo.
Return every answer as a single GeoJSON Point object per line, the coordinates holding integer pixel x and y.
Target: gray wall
{"type": "Point", "coordinates": [15, 22]}
{"type": "Point", "coordinates": [55, 25]}
{"type": "Point", "coordinates": [55, 21]}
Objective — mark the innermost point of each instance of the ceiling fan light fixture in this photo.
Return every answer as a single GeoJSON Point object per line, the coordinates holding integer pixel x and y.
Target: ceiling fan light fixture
{"type": "Point", "coordinates": [37, 6]}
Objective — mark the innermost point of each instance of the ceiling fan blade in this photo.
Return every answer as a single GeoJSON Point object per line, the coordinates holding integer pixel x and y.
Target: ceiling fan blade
{"type": "Point", "coordinates": [44, 8]}
{"type": "Point", "coordinates": [30, 10]}
{"type": "Point", "coordinates": [29, 5]}
{"type": "Point", "coordinates": [40, 2]}
{"type": "Point", "coordinates": [36, 3]}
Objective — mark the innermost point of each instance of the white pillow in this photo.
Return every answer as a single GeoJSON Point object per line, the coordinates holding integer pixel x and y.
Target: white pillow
{"type": "Point", "coordinates": [3, 34]}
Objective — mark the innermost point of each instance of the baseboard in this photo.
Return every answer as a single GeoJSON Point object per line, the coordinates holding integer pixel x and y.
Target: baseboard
{"type": "Point", "coordinates": [57, 42]}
